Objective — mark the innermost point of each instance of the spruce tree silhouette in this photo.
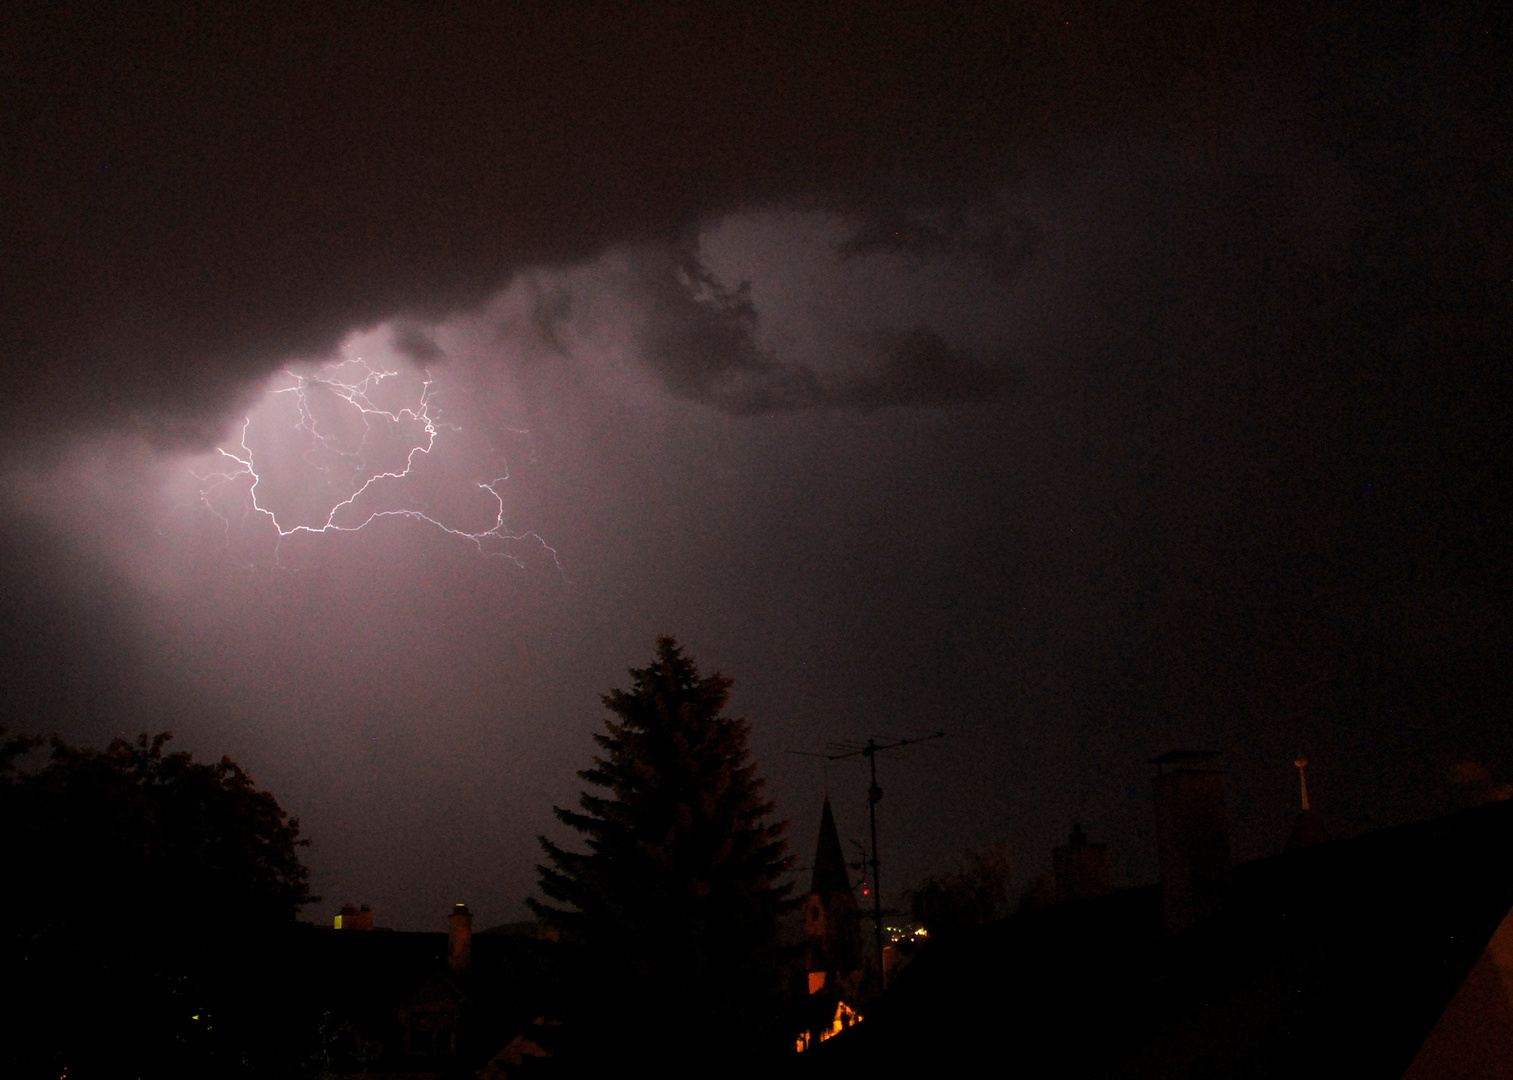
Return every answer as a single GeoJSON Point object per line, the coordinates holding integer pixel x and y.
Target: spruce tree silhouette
{"type": "Point", "coordinates": [672, 916]}
{"type": "Point", "coordinates": [145, 890]}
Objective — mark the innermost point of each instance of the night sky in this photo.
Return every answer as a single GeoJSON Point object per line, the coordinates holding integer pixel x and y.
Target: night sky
{"type": "Point", "coordinates": [1082, 380]}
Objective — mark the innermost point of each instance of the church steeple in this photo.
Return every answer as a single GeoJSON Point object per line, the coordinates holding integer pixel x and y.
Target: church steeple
{"type": "Point", "coordinates": [832, 922]}
{"type": "Point", "coordinates": [830, 876]}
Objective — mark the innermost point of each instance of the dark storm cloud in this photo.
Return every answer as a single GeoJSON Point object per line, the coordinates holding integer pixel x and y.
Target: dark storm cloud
{"type": "Point", "coordinates": [194, 195]}
{"type": "Point", "coordinates": [700, 337]}
{"type": "Point", "coordinates": [1231, 465]}
{"type": "Point", "coordinates": [415, 344]}
{"type": "Point", "coordinates": [1004, 244]}
{"type": "Point", "coordinates": [922, 368]}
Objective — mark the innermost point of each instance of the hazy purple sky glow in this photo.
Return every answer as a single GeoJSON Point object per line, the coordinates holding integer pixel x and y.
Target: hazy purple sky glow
{"type": "Point", "coordinates": [1073, 384]}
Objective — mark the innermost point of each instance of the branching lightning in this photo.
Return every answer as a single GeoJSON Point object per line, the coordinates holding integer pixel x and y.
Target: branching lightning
{"type": "Point", "coordinates": [353, 383]}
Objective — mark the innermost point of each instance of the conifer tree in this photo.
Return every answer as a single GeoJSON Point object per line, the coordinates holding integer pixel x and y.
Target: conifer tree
{"type": "Point", "coordinates": [673, 911]}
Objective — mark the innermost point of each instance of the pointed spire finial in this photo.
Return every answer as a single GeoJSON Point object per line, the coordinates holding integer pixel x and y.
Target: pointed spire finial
{"type": "Point", "coordinates": [830, 876]}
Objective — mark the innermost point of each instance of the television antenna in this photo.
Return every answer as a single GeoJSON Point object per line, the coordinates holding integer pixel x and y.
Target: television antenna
{"type": "Point", "coordinates": [869, 750]}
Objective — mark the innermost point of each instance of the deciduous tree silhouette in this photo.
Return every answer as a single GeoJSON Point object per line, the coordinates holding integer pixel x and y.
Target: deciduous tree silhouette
{"type": "Point", "coordinates": [140, 885]}
{"type": "Point", "coordinates": [672, 914]}
{"type": "Point", "coordinates": [973, 895]}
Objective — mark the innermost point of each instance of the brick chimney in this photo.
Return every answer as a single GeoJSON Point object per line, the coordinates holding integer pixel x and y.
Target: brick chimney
{"type": "Point", "coordinates": [460, 940]}
{"type": "Point", "coordinates": [355, 918]}
{"type": "Point", "coordinates": [1192, 837]}
{"type": "Point", "coordinates": [1081, 869]}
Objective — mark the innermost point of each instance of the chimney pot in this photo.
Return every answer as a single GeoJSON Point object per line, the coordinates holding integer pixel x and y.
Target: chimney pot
{"type": "Point", "coordinates": [1192, 837]}
{"type": "Point", "coordinates": [354, 918]}
{"type": "Point", "coordinates": [460, 940]}
{"type": "Point", "coordinates": [1080, 869]}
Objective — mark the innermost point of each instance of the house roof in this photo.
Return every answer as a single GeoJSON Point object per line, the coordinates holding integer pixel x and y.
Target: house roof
{"type": "Point", "coordinates": [1307, 830]}
{"type": "Point", "coordinates": [1335, 960]}
{"type": "Point", "coordinates": [371, 973]}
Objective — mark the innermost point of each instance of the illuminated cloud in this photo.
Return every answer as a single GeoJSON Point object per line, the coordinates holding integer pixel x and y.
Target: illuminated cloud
{"type": "Point", "coordinates": [1097, 382]}
{"type": "Point", "coordinates": [364, 438]}
{"type": "Point", "coordinates": [776, 311]}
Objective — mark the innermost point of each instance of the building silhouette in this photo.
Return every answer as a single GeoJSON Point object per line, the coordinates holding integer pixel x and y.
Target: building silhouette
{"type": "Point", "coordinates": [1080, 869]}
{"type": "Point", "coordinates": [422, 1005]}
{"type": "Point", "coordinates": [1385, 955]}
{"type": "Point", "coordinates": [834, 961]}
{"type": "Point", "coordinates": [832, 919]}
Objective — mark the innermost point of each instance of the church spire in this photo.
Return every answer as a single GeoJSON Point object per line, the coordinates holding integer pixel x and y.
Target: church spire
{"type": "Point", "coordinates": [831, 920]}
{"type": "Point", "coordinates": [830, 876]}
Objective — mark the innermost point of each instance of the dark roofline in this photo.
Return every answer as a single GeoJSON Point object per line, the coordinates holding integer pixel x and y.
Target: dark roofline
{"type": "Point", "coordinates": [1329, 961]}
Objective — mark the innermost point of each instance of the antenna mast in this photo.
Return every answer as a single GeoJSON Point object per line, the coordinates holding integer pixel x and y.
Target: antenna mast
{"type": "Point", "coordinates": [874, 796]}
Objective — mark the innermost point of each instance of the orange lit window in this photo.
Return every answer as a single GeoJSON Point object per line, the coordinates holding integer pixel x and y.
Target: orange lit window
{"type": "Point", "coordinates": [845, 1016]}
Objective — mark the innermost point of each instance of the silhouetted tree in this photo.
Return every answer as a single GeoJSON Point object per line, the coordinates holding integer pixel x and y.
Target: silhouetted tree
{"type": "Point", "coordinates": [140, 886]}
{"type": "Point", "coordinates": [971, 896]}
{"type": "Point", "coordinates": [673, 912]}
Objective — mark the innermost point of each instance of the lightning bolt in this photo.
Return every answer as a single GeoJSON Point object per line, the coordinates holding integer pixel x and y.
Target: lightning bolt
{"type": "Point", "coordinates": [353, 382]}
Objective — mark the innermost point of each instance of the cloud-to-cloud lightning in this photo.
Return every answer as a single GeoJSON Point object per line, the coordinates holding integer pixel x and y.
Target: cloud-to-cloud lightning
{"type": "Point", "coordinates": [331, 451]}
